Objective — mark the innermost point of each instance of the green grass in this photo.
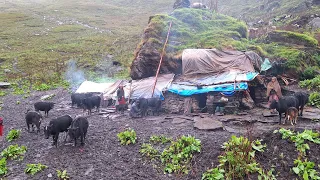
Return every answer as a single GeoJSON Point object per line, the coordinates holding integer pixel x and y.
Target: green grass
{"type": "Point", "coordinates": [39, 37]}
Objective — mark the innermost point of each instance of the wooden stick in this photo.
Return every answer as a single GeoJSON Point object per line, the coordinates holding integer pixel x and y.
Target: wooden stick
{"type": "Point", "coordinates": [163, 50]}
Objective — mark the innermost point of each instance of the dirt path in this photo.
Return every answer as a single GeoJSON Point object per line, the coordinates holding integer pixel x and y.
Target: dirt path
{"type": "Point", "coordinates": [103, 157]}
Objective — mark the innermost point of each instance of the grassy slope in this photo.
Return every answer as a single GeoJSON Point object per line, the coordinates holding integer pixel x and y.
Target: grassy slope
{"type": "Point", "coordinates": [44, 34]}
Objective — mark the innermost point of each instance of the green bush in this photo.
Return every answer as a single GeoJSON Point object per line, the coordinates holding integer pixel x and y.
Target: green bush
{"type": "Point", "coordinates": [2, 93]}
{"type": "Point", "coordinates": [176, 157]}
{"type": "Point", "coordinates": [305, 169]}
{"type": "Point", "coordinates": [42, 87]}
{"type": "Point", "coordinates": [311, 83]}
{"type": "Point", "coordinates": [3, 167]}
{"type": "Point", "coordinates": [238, 160]}
{"type": "Point", "coordinates": [34, 168]}
{"type": "Point", "coordinates": [127, 137]}
{"type": "Point", "coordinates": [13, 134]}
{"type": "Point", "coordinates": [314, 99]}
{"type": "Point", "coordinates": [14, 152]}
{"type": "Point", "coordinates": [62, 175]}
{"type": "Point", "coordinates": [149, 151]}
{"type": "Point", "coordinates": [159, 139]}
{"type": "Point", "coordinates": [309, 73]}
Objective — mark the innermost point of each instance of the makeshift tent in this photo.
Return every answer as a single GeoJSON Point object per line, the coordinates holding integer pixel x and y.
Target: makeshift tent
{"type": "Point", "coordinates": [89, 86]}
{"type": "Point", "coordinates": [206, 70]}
{"type": "Point", "coordinates": [141, 88]}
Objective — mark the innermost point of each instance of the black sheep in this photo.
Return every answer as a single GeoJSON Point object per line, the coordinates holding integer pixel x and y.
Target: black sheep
{"type": "Point", "coordinates": [60, 124]}
{"type": "Point", "coordinates": [44, 106]}
{"type": "Point", "coordinates": [303, 99]}
{"type": "Point", "coordinates": [91, 102]}
{"type": "Point", "coordinates": [33, 118]}
{"type": "Point", "coordinates": [283, 104]}
{"type": "Point", "coordinates": [78, 128]}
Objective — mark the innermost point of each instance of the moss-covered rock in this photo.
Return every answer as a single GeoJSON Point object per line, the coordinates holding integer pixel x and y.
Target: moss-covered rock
{"type": "Point", "coordinates": [292, 38]}
{"type": "Point", "coordinates": [191, 28]}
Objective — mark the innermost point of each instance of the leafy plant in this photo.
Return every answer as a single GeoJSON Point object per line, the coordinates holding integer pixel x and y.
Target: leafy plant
{"type": "Point", "coordinates": [159, 139]}
{"type": "Point", "coordinates": [14, 152]}
{"type": "Point", "coordinates": [213, 174]}
{"type": "Point", "coordinates": [305, 169]}
{"type": "Point", "coordinates": [299, 138]}
{"type": "Point", "coordinates": [309, 73]}
{"type": "Point", "coordinates": [238, 159]}
{"type": "Point", "coordinates": [34, 168]}
{"type": "Point", "coordinates": [314, 99]}
{"type": "Point", "coordinates": [266, 176]}
{"type": "Point", "coordinates": [149, 151]}
{"type": "Point", "coordinates": [127, 137]}
{"type": "Point", "coordinates": [13, 134]}
{"type": "Point", "coordinates": [311, 83]}
{"type": "Point", "coordinates": [42, 87]}
{"type": "Point", "coordinates": [3, 167]}
{"type": "Point", "coordinates": [62, 175]}
{"type": "Point", "coordinates": [177, 156]}
{"type": "Point", "coordinates": [2, 93]}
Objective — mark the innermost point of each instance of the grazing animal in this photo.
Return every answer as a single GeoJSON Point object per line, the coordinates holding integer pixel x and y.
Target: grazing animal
{"type": "Point", "coordinates": [33, 118]}
{"type": "Point", "coordinates": [303, 99]}
{"type": "Point", "coordinates": [60, 124]}
{"type": "Point", "coordinates": [78, 128]}
{"type": "Point", "coordinates": [91, 102]}
{"type": "Point", "coordinates": [292, 115]}
{"type": "Point", "coordinates": [44, 106]}
{"type": "Point", "coordinates": [77, 98]}
{"type": "Point", "coordinates": [283, 104]}
{"type": "Point", "coordinates": [149, 103]}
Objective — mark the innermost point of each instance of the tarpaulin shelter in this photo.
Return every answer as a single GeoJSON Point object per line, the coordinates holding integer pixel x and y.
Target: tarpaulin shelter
{"type": "Point", "coordinates": [206, 70]}
{"type": "Point", "coordinates": [89, 86]}
{"type": "Point", "coordinates": [143, 88]}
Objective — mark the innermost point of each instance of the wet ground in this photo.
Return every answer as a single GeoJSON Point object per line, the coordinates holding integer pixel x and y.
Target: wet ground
{"type": "Point", "coordinates": [103, 157]}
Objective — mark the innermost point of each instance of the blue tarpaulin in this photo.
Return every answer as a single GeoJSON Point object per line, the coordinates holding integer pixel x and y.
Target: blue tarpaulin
{"type": "Point", "coordinates": [229, 88]}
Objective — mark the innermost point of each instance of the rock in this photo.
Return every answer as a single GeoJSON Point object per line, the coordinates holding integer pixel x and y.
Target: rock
{"type": "Point", "coordinates": [4, 85]}
{"type": "Point", "coordinates": [89, 170]}
{"type": "Point", "coordinates": [291, 38]}
{"type": "Point", "coordinates": [208, 124]}
{"type": "Point", "coordinates": [47, 97]}
{"type": "Point", "coordinates": [178, 121]}
{"type": "Point", "coordinates": [50, 175]}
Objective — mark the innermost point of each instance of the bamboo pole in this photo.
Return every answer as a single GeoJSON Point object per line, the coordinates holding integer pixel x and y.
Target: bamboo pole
{"type": "Point", "coordinates": [163, 50]}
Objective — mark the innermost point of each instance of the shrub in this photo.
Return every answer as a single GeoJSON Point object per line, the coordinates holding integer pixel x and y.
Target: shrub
{"type": "Point", "coordinates": [311, 83]}
{"type": "Point", "coordinates": [305, 169]}
{"type": "Point", "coordinates": [3, 167]}
{"type": "Point", "coordinates": [314, 99]}
{"type": "Point", "coordinates": [14, 152]}
{"type": "Point", "coordinates": [34, 168]}
{"type": "Point", "coordinates": [62, 175]}
{"type": "Point", "coordinates": [149, 151]}
{"type": "Point", "coordinates": [42, 87]}
{"type": "Point", "coordinates": [127, 137]}
{"type": "Point", "coordinates": [13, 134]}
{"type": "Point", "coordinates": [309, 73]}
{"type": "Point", "coordinates": [159, 139]}
{"type": "Point", "coordinates": [238, 160]}
{"type": "Point", "coordinates": [2, 93]}
{"type": "Point", "coordinates": [177, 156]}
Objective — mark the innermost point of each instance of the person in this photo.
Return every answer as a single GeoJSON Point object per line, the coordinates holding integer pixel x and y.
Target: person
{"type": "Point", "coordinates": [273, 92]}
{"type": "Point", "coordinates": [220, 105]}
{"type": "Point", "coordinates": [121, 99]}
{"type": "Point", "coordinates": [135, 112]}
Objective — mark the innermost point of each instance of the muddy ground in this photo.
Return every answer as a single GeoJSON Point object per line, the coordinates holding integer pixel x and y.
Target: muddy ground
{"type": "Point", "coordinates": [103, 157]}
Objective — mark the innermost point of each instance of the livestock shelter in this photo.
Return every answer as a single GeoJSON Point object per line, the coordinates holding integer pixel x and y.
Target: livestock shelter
{"type": "Point", "coordinates": [209, 73]}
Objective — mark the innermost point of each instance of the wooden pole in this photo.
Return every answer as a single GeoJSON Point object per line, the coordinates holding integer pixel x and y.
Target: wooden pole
{"type": "Point", "coordinates": [163, 50]}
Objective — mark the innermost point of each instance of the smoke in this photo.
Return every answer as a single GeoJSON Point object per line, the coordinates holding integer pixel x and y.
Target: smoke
{"type": "Point", "coordinates": [74, 75]}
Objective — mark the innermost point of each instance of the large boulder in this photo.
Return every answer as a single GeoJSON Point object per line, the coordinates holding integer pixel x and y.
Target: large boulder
{"type": "Point", "coordinates": [191, 28]}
